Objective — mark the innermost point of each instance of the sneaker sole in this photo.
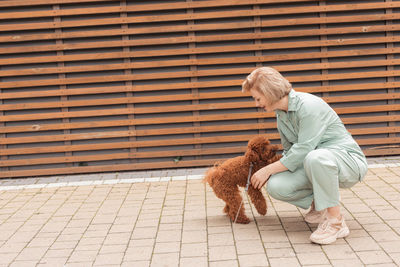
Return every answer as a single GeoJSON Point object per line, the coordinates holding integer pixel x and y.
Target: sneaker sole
{"type": "Point", "coordinates": [329, 240]}
{"type": "Point", "coordinates": [313, 221]}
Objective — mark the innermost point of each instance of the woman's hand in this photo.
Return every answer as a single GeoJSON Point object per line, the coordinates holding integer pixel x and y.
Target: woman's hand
{"type": "Point", "coordinates": [260, 177]}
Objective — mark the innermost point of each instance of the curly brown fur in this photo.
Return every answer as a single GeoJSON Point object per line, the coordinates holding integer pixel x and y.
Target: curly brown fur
{"type": "Point", "coordinates": [225, 178]}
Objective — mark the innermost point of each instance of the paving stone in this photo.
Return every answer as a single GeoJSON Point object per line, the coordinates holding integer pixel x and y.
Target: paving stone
{"type": "Point", "coordinates": [222, 253]}
{"type": "Point", "coordinates": [286, 261]}
{"type": "Point", "coordinates": [168, 259]}
{"type": "Point", "coordinates": [337, 252]}
{"type": "Point", "coordinates": [194, 262]}
{"type": "Point", "coordinates": [374, 257]}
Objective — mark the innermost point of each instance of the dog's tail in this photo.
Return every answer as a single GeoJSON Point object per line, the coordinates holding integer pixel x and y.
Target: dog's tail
{"type": "Point", "coordinates": [208, 178]}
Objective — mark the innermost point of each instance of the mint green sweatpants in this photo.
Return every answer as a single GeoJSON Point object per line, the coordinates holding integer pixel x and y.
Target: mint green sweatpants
{"type": "Point", "coordinates": [323, 172]}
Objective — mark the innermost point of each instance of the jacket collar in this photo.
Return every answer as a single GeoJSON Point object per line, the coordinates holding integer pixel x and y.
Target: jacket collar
{"type": "Point", "coordinates": [292, 103]}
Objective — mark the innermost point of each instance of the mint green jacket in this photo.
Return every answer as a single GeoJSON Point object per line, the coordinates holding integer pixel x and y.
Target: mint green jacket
{"type": "Point", "coordinates": [310, 124]}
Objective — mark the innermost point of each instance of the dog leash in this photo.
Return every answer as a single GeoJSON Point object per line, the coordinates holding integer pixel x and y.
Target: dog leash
{"type": "Point", "coordinates": [246, 189]}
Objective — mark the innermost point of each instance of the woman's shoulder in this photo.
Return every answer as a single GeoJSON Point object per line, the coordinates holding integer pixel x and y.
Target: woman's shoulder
{"type": "Point", "coordinates": [307, 100]}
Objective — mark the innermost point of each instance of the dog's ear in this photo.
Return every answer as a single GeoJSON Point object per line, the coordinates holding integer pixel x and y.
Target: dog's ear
{"type": "Point", "coordinates": [255, 148]}
{"type": "Point", "coordinates": [251, 155]}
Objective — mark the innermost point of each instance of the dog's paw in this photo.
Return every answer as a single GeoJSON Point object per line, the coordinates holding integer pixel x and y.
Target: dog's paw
{"type": "Point", "coordinates": [261, 208]}
{"type": "Point", "coordinates": [226, 209]}
{"type": "Point", "coordinates": [243, 220]}
{"type": "Point", "coordinates": [263, 212]}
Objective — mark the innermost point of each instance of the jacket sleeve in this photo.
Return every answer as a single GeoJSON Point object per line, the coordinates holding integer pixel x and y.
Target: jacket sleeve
{"type": "Point", "coordinates": [312, 126]}
{"type": "Point", "coordinates": [285, 142]}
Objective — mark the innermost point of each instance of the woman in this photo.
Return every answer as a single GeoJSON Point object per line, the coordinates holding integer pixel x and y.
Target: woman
{"type": "Point", "coordinates": [319, 154]}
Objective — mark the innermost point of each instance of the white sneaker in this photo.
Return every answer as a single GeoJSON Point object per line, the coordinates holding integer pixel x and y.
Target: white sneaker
{"type": "Point", "coordinates": [314, 216]}
{"type": "Point", "coordinates": [330, 230]}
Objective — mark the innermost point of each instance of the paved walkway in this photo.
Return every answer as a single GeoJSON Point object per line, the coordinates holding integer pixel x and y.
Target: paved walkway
{"type": "Point", "coordinates": [170, 218]}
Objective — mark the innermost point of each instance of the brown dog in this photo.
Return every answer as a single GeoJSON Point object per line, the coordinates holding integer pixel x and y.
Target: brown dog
{"type": "Point", "coordinates": [226, 177]}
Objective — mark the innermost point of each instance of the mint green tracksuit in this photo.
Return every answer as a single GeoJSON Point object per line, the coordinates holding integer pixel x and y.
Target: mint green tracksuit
{"type": "Point", "coordinates": [320, 154]}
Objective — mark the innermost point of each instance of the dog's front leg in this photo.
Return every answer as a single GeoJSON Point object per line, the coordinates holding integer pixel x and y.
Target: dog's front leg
{"type": "Point", "coordinates": [258, 200]}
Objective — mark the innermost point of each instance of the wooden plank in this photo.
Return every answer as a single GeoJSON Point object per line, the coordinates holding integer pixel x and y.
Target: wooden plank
{"type": "Point", "coordinates": [199, 15]}
{"type": "Point", "coordinates": [119, 123]}
{"type": "Point", "coordinates": [109, 168]}
{"type": "Point", "coordinates": [119, 156]}
{"type": "Point", "coordinates": [197, 73]}
{"type": "Point", "coordinates": [61, 12]}
{"type": "Point", "coordinates": [180, 108]}
{"type": "Point", "coordinates": [188, 39]}
{"type": "Point", "coordinates": [133, 65]}
{"type": "Point", "coordinates": [202, 50]}
{"type": "Point", "coordinates": [382, 152]}
{"type": "Point", "coordinates": [261, 59]}
{"type": "Point", "coordinates": [149, 132]}
{"type": "Point", "coordinates": [162, 154]}
{"type": "Point", "coordinates": [199, 27]}
{"type": "Point", "coordinates": [17, 3]}
{"type": "Point", "coordinates": [186, 130]}
{"type": "Point", "coordinates": [376, 130]}
{"type": "Point", "coordinates": [204, 4]}
{"type": "Point", "coordinates": [180, 119]}
{"type": "Point", "coordinates": [379, 141]}
{"type": "Point", "coordinates": [231, 94]}
{"type": "Point", "coordinates": [371, 119]}
{"type": "Point", "coordinates": [172, 86]}
{"type": "Point", "coordinates": [171, 142]}
{"type": "Point", "coordinates": [100, 113]}
{"type": "Point", "coordinates": [137, 144]}
{"type": "Point", "coordinates": [143, 166]}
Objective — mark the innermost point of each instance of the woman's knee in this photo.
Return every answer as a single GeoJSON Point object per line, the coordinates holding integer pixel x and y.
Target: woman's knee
{"type": "Point", "coordinates": [277, 189]}
{"type": "Point", "coordinates": [317, 157]}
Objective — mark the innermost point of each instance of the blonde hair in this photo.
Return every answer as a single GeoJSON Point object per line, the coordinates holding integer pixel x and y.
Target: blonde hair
{"type": "Point", "coordinates": [269, 82]}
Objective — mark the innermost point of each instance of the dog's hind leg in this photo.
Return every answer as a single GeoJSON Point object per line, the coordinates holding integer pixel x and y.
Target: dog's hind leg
{"type": "Point", "coordinates": [234, 205]}
{"type": "Point", "coordinates": [258, 200]}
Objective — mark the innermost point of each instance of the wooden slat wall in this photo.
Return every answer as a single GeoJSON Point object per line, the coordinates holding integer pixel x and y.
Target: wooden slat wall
{"type": "Point", "coordinates": [95, 86]}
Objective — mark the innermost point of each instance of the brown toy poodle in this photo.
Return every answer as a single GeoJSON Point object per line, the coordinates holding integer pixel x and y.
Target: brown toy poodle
{"type": "Point", "coordinates": [226, 177]}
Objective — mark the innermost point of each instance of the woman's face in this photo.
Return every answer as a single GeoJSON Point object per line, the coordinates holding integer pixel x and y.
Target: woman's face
{"type": "Point", "coordinates": [261, 101]}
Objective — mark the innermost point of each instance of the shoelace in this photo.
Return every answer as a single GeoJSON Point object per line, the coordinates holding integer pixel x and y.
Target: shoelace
{"type": "Point", "coordinates": [328, 224]}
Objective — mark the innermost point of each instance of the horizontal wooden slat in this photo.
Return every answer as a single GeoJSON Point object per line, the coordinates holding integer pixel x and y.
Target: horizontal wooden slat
{"type": "Point", "coordinates": [127, 111]}
{"type": "Point", "coordinates": [153, 132]}
{"type": "Point", "coordinates": [180, 119]}
{"type": "Point", "coordinates": [185, 74]}
{"type": "Point", "coordinates": [201, 50]}
{"type": "Point", "coordinates": [118, 123]}
{"type": "Point", "coordinates": [199, 15]}
{"type": "Point", "coordinates": [168, 63]}
{"type": "Point", "coordinates": [143, 166]}
{"type": "Point", "coordinates": [180, 108]}
{"type": "Point", "coordinates": [119, 156]}
{"type": "Point", "coordinates": [176, 142]}
{"type": "Point", "coordinates": [184, 28]}
{"type": "Point", "coordinates": [163, 154]}
{"type": "Point", "coordinates": [124, 89]}
{"type": "Point", "coordinates": [174, 131]}
{"type": "Point", "coordinates": [17, 3]}
{"type": "Point", "coordinates": [137, 144]}
{"type": "Point", "coordinates": [187, 39]}
{"type": "Point", "coordinates": [122, 66]}
{"type": "Point", "coordinates": [153, 7]}
{"type": "Point", "coordinates": [108, 168]}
